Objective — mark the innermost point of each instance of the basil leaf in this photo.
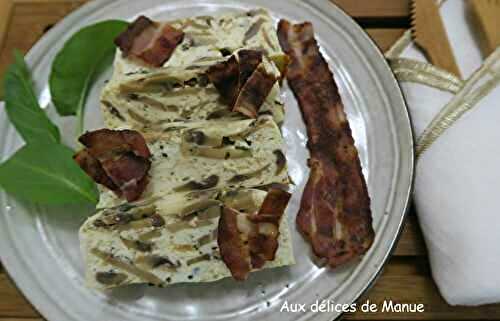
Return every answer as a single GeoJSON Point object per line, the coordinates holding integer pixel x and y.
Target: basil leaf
{"type": "Point", "coordinates": [45, 172]}
{"type": "Point", "coordinates": [22, 105]}
{"type": "Point", "coordinates": [78, 63]}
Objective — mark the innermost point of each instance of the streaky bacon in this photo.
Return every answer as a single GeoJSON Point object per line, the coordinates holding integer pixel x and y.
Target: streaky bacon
{"type": "Point", "coordinates": [247, 241]}
{"type": "Point", "coordinates": [264, 242]}
{"type": "Point", "coordinates": [150, 41]}
{"type": "Point", "coordinates": [225, 76]}
{"type": "Point", "coordinates": [117, 159]}
{"type": "Point", "coordinates": [93, 168]}
{"type": "Point", "coordinates": [242, 81]}
{"type": "Point", "coordinates": [233, 250]}
{"type": "Point", "coordinates": [248, 61]}
{"type": "Point", "coordinates": [335, 215]}
{"type": "Point", "coordinates": [254, 92]}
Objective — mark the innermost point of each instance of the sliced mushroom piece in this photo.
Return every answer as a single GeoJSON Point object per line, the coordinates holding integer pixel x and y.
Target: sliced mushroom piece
{"type": "Point", "coordinates": [280, 161]}
{"type": "Point", "coordinates": [152, 221]}
{"type": "Point", "coordinates": [243, 200]}
{"type": "Point", "coordinates": [184, 247]}
{"type": "Point", "coordinates": [114, 219]}
{"type": "Point", "coordinates": [138, 245]}
{"type": "Point", "coordinates": [280, 186]}
{"type": "Point", "coordinates": [202, 204]}
{"type": "Point", "coordinates": [110, 278]}
{"type": "Point", "coordinates": [155, 261]}
{"type": "Point", "coordinates": [151, 102]}
{"type": "Point", "coordinates": [183, 225]}
{"type": "Point", "coordinates": [143, 211]}
{"type": "Point", "coordinates": [193, 23]}
{"type": "Point", "coordinates": [198, 259]}
{"type": "Point", "coordinates": [199, 137]}
{"type": "Point", "coordinates": [220, 114]}
{"type": "Point", "coordinates": [220, 152]}
{"type": "Point", "coordinates": [160, 80]}
{"type": "Point", "coordinates": [124, 214]}
{"type": "Point", "coordinates": [207, 238]}
{"type": "Point", "coordinates": [127, 267]}
{"type": "Point", "coordinates": [214, 135]}
{"type": "Point", "coordinates": [150, 235]}
{"type": "Point", "coordinates": [209, 182]}
{"type": "Point", "coordinates": [138, 118]}
{"type": "Point", "coordinates": [253, 30]}
{"type": "Point", "coordinates": [210, 213]}
{"type": "Point", "coordinates": [112, 110]}
{"type": "Point", "coordinates": [243, 177]}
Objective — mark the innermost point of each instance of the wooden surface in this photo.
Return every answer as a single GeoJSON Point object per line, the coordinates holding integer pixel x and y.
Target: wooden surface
{"type": "Point", "coordinates": [430, 35]}
{"type": "Point", "coordinates": [485, 14]}
{"type": "Point", "coordinates": [406, 278]}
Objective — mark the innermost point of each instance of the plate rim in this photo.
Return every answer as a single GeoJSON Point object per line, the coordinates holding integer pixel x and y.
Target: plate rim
{"type": "Point", "coordinates": [39, 302]}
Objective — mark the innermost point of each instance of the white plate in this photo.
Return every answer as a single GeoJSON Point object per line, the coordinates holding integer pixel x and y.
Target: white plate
{"type": "Point", "coordinates": [39, 246]}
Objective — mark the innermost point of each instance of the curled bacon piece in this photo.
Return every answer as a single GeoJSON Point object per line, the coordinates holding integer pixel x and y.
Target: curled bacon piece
{"type": "Point", "coordinates": [242, 82]}
{"type": "Point", "coordinates": [225, 76]}
{"type": "Point", "coordinates": [150, 41]}
{"type": "Point", "coordinates": [117, 159]}
{"type": "Point", "coordinates": [247, 241]}
{"type": "Point", "coordinates": [335, 215]}
{"type": "Point", "coordinates": [233, 244]}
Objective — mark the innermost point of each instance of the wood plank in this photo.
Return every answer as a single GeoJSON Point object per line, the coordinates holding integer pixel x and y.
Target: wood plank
{"type": "Point", "coordinates": [28, 23]}
{"type": "Point", "coordinates": [411, 242]}
{"type": "Point", "coordinates": [6, 8]}
{"type": "Point", "coordinates": [39, 18]}
{"type": "Point", "coordinates": [407, 280]}
{"type": "Point", "coordinates": [404, 280]}
{"type": "Point", "coordinates": [21, 319]}
{"type": "Point", "coordinates": [375, 8]}
{"type": "Point", "coordinates": [12, 303]}
{"type": "Point", "coordinates": [383, 37]}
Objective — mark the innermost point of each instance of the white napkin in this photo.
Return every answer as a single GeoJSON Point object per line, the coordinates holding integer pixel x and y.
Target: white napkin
{"type": "Point", "coordinates": [457, 185]}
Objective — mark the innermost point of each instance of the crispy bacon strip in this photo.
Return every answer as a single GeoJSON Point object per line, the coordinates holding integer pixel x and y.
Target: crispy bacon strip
{"type": "Point", "coordinates": [248, 62]}
{"type": "Point", "coordinates": [254, 92]}
{"type": "Point", "coordinates": [117, 159]}
{"type": "Point", "coordinates": [264, 242]}
{"type": "Point", "coordinates": [93, 168]}
{"type": "Point", "coordinates": [247, 241]}
{"type": "Point", "coordinates": [149, 41]}
{"type": "Point", "coordinates": [242, 83]}
{"type": "Point", "coordinates": [234, 252]}
{"type": "Point", "coordinates": [335, 215]}
{"type": "Point", "coordinates": [225, 76]}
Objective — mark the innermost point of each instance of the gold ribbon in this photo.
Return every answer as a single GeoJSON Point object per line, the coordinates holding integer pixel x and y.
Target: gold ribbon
{"type": "Point", "coordinates": [465, 100]}
{"type": "Point", "coordinates": [425, 73]}
{"type": "Point", "coordinates": [397, 48]}
{"type": "Point", "coordinates": [466, 94]}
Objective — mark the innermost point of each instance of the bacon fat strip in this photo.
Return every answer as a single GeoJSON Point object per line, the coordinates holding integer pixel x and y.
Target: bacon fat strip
{"type": "Point", "coordinates": [335, 215]}
{"type": "Point", "coordinates": [233, 244]}
{"type": "Point", "coordinates": [149, 41]}
{"type": "Point", "coordinates": [248, 241]}
{"type": "Point", "coordinates": [242, 81]}
{"type": "Point", "coordinates": [117, 159]}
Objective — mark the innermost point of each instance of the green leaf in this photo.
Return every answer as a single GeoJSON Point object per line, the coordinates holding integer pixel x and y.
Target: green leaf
{"type": "Point", "coordinates": [45, 172]}
{"type": "Point", "coordinates": [22, 106]}
{"type": "Point", "coordinates": [78, 63]}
